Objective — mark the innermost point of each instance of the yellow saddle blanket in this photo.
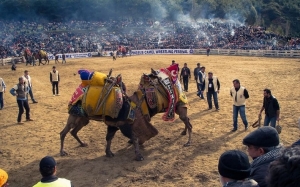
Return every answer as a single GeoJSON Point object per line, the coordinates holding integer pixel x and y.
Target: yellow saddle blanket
{"type": "Point", "coordinates": [96, 102]}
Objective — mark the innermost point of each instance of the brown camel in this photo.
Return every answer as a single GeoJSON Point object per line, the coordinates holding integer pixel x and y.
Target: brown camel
{"type": "Point", "coordinates": [131, 130]}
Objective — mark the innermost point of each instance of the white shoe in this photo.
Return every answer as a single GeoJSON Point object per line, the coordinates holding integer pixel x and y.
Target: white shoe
{"type": "Point", "coordinates": [53, 95]}
{"type": "Point", "coordinates": [57, 95]}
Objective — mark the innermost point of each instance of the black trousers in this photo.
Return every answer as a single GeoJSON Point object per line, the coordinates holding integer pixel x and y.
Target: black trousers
{"type": "Point", "coordinates": [55, 86]}
{"type": "Point", "coordinates": [23, 104]}
{"type": "Point", "coordinates": [185, 81]}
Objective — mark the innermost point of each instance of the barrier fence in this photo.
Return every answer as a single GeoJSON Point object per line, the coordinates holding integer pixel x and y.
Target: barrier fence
{"type": "Point", "coordinates": [229, 52]}
{"type": "Point", "coordinates": [258, 53]}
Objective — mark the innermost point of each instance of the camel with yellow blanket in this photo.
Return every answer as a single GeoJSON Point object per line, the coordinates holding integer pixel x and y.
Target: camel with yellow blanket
{"type": "Point", "coordinates": [130, 114]}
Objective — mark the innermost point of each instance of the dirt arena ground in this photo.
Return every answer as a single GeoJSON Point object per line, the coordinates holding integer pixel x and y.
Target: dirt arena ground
{"type": "Point", "coordinates": [167, 162]}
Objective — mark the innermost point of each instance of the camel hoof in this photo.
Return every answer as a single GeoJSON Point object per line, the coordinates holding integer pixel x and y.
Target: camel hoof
{"type": "Point", "coordinates": [139, 158]}
{"type": "Point", "coordinates": [63, 153]}
{"type": "Point", "coordinates": [183, 133]}
{"type": "Point", "coordinates": [84, 145]}
{"type": "Point", "coordinates": [109, 154]}
{"type": "Point", "coordinates": [187, 144]}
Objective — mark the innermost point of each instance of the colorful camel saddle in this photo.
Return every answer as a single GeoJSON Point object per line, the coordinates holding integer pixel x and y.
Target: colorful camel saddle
{"type": "Point", "coordinates": [100, 97]}
{"type": "Point", "coordinates": [43, 53]}
{"type": "Point", "coordinates": [163, 91]}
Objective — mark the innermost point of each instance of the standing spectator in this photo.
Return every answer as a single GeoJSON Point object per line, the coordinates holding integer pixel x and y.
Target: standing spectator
{"type": "Point", "coordinates": [2, 91]}
{"type": "Point", "coordinates": [239, 95]}
{"type": "Point", "coordinates": [13, 67]}
{"type": "Point", "coordinates": [114, 55]}
{"type": "Point", "coordinates": [33, 59]}
{"type": "Point", "coordinates": [173, 62]}
{"type": "Point", "coordinates": [200, 80]}
{"type": "Point", "coordinates": [21, 91]}
{"type": "Point", "coordinates": [48, 171]}
{"type": "Point", "coordinates": [196, 71]}
{"type": "Point", "coordinates": [185, 75]}
{"type": "Point", "coordinates": [263, 148]}
{"type": "Point", "coordinates": [28, 82]}
{"type": "Point", "coordinates": [285, 170]}
{"type": "Point", "coordinates": [234, 169]}
{"type": "Point", "coordinates": [3, 178]}
{"type": "Point", "coordinates": [212, 86]}
{"type": "Point", "coordinates": [63, 56]}
{"type": "Point", "coordinates": [271, 107]}
{"type": "Point", "coordinates": [56, 58]}
{"type": "Point", "coordinates": [54, 79]}
{"type": "Point", "coordinates": [207, 51]}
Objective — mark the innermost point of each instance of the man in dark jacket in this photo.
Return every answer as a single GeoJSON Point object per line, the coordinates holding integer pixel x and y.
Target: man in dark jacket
{"type": "Point", "coordinates": [263, 148]}
{"type": "Point", "coordinates": [271, 107]}
{"type": "Point", "coordinates": [196, 71]}
{"type": "Point", "coordinates": [185, 75]}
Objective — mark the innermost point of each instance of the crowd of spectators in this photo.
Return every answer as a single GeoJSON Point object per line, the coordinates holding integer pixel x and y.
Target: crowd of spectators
{"type": "Point", "coordinates": [83, 36]}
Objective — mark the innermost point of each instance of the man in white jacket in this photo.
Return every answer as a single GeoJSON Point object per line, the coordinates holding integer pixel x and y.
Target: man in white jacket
{"type": "Point", "coordinates": [27, 79]}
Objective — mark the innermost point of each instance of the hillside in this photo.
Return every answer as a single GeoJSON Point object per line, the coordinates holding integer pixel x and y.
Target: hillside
{"type": "Point", "coordinates": [278, 16]}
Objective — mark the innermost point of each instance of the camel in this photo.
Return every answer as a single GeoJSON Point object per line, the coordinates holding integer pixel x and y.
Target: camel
{"type": "Point", "coordinates": [140, 129]}
{"type": "Point", "coordinates": [42, 55]}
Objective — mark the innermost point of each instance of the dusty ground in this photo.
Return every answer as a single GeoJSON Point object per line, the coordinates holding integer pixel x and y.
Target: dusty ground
{"type": "Point", "coordinates": [167, 162]}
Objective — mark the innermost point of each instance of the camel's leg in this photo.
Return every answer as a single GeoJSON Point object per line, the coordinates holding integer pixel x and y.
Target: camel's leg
{"type": "Point", "coordinates": [73, 122]}
{"type": "Point", "coordinates": [63, 134]}
{"type": "Point", "coordinates": [138, 155]}
{"type": "Point", "coordinates": [182, 112]}
{"type": "Point", "coordinates": [79, 123]}
{"type": "Point", "coordinates": [111, 131]}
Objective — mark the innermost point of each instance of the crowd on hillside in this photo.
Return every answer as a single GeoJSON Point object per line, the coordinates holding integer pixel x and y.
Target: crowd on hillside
{"type": "Point", "coordinates": [82, 36]}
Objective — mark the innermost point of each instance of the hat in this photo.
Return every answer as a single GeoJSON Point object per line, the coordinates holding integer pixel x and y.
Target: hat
{"type": "Point", "coordinates": [3, 177]}
{"type": "Point", "coordinates": [234, 164]}
{"type": "Point", "coordinates": [263, 137]}
{"type": "Point", "coordinates": [47, 162]}
{"type": "Point", "coordinates": [53, 67]}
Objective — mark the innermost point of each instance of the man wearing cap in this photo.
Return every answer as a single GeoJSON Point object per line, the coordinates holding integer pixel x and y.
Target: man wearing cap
{"type": "Point", "coordinates": [54, 79]}
{"type": "Point", "coordinates": [239, 95]}
{"type": "Point", "coordinates": [271, 107]}
{"type": "Point", "coordinates": [21, 90]}
{"type": "Point", "coordinates": [185, 75]}
{"type": "Point", "coordinates": [28, 82]}
{"type": "Point", "coordinates": [234, 169]}
{"type": "Point", "coordinates": [212, 86]}
{"type": "Point", "coordinates": [3, 178]}
{"type": "Point", "coordinates": [263, 148]}
{"type": "Point", "coordinates": [2, 91]}
{"type": "Point", "coordinates": [48, 170]}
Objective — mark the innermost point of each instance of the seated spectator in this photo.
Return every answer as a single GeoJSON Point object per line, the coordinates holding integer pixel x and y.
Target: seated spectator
{"type": "Point", "coordinates": [263, 148]}
{"type": "Point", "coordinates": [3, 178]}
{"type": "Point", "coordinates": [234, 169]}
{"type": "Point", "coordinates": [48, 170]}
{"type": "Point", "coordinates": [285, 170]}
